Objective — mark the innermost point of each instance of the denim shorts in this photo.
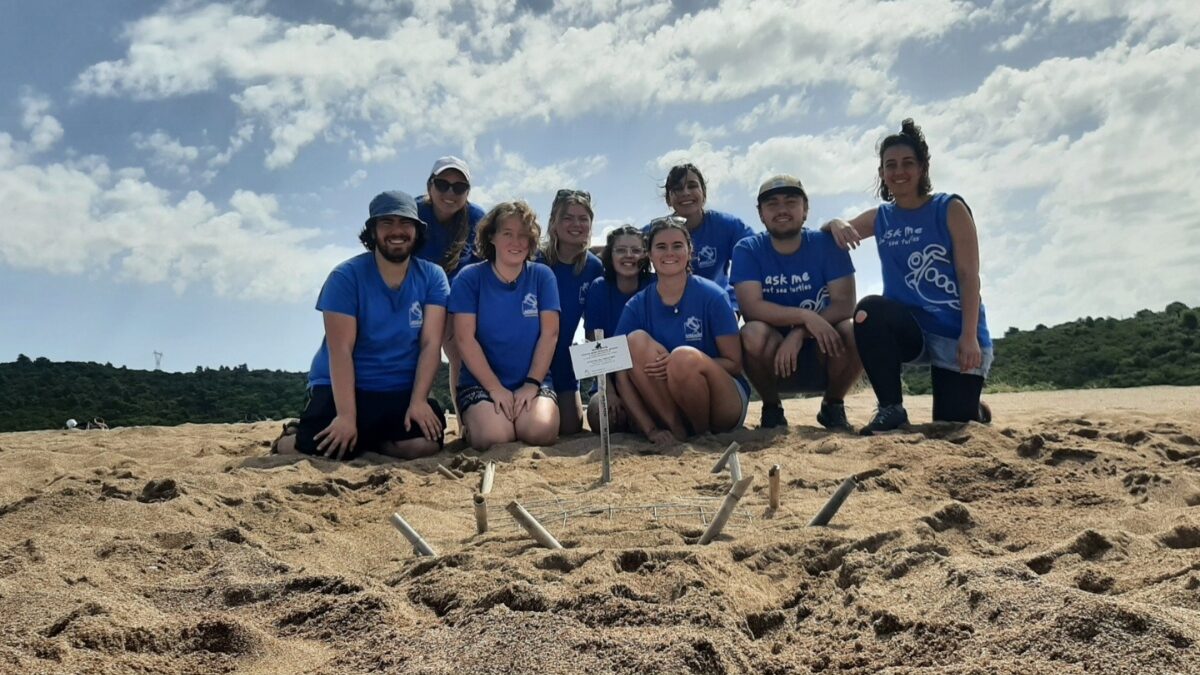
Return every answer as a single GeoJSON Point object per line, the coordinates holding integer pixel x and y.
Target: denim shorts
{"type": "Point", "coordinates": [942, 352]}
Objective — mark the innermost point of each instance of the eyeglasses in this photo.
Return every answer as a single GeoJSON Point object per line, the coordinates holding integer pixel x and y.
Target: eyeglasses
{"type": "Point", "coordinates": [444, 185]}
{"type": "Point", "coordinates": [567, 194]}
{"type": "Point", "coordinates": [628, 250]}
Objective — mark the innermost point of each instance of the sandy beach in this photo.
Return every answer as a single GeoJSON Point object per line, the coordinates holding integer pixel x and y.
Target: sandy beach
{"type": "Point", "coordinates": [1063, 538]}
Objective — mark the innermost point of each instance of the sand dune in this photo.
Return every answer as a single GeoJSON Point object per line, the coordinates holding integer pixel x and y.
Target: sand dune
{"type": "Point", "coordinates": [1064, 538]}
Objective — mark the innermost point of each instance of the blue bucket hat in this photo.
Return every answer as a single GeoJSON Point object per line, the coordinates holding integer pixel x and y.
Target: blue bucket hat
{"type": "Point", "coordinates": [395, 203]}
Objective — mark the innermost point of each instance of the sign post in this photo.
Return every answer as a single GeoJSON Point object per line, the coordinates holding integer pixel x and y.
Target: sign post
{"type": "Point", "coordinates": [598, 359]}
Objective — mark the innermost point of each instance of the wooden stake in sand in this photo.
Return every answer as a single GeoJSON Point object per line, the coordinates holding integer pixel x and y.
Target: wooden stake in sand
{"type": "Point", "coordinates": [489, 475]}
{"type": "Point", "coordinates": [727, 507]}
{"type": "Point", "coordinates": [835, 502]}
{"type": "Point", "coordinates": [605, 448]}
{"type": "Point", "coordinates": [446, 472]}
{"type": "Point", "coordinates": [735, 467]}
{"type": "Point", "coordinates": [411, 535]}
{"type": "Point", "coordinates": [720, 465]}
{"type": "Point", "coordinates": [773, 490]}
{"type": "Point", "coordinates": [598, 359]}
{"type": "Point", "coordinates": [532, 526]}
{"type": "Point", "coordinates": [481, 524]}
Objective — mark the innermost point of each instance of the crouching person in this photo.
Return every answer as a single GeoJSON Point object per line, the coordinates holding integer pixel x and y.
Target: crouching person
{"type": "Point", "coordinates": [796, 289]}
{"type": "Point", "coordinates": [384, 313]}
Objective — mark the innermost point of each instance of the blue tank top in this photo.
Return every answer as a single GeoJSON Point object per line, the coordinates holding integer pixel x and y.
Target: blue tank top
{"type": "Point", "coordinates": [917, 259]}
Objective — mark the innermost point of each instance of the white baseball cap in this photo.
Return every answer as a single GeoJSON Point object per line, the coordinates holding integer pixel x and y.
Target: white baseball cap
{"type": "Point", "coordinates": [450, 162]}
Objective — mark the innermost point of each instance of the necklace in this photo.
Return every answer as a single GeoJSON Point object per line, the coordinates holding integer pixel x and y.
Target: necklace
{"type": "Point", "coordinates": [501, 277]}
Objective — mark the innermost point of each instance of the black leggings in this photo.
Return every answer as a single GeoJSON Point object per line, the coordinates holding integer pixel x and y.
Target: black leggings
{"type": "Point", "coordinates": [888, 338]}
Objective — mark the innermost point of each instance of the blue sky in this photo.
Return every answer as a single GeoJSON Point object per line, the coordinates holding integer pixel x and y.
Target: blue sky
{"type": "Point", "coordinates": [181, 176]}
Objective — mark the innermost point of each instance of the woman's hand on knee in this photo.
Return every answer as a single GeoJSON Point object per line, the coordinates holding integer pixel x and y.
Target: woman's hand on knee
{"type": "Point", "coordinates": [503, 400]}
{"type": "Point", "coordinates": [657, 367]}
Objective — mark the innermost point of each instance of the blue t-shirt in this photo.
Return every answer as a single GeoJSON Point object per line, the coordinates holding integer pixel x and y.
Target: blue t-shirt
{"type": "Point", "coordinates": [572, 292]}
{"type": "Point", "coordinates": [388, 339]}
{"type": "Point", "coordinates": [507, 317]}
{"type": "Point", "coordinates": [604, 304]}
{"type": "Point", "coordinates": [712, 247]}
{"type": "Point", "coordinates": [437, 235]}
{"type": "Point", "coordinates": [917, 259]}
{"type": "Point", "coordinates": [702, 315]}
{"type": "Point", "coordinates": [800, 279]}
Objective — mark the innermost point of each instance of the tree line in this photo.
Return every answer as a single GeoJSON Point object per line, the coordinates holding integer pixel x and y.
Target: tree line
{"type": "Point", "coordinates": [1149, 348]}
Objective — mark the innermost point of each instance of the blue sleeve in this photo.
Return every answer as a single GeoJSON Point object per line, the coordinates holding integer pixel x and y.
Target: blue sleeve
{"type": "Point", "coordinates": [464, 294]}
{"type": "Point", "coordinates": [837, 261]}
{"type": "Point", "coordinates": [593, 307]}
{"type": "Point", "coordinates": [340, 293]}
{"type": "Point", "coordinates": [439, 288]}
{"type": "Point", "coordinates": [547, 290]}
{"type": "Point", "coordinates": [736, 229]}
{"type": "Point", "coordinates": [745, 264]}
{"type": "Point", "coordinates": [724, 321]}
{"type": "Point", "coordinates": [631, 316]}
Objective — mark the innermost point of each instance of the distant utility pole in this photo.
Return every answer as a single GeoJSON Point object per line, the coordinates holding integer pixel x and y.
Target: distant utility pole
{"type": "Point", "coordinates": [158, 360]}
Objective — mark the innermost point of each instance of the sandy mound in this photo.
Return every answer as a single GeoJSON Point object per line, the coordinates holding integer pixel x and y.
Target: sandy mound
{"type": "Point", "coordinates": [1065, 538]}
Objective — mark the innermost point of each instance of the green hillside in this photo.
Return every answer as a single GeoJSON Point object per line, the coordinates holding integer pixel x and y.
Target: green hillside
{"type": "Point", "coordinates": [40, 394]}
{"type": "Point", "coordinates": [1146, 349]}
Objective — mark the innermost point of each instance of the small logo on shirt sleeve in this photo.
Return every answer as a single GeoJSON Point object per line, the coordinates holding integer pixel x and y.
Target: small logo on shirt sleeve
{"type": "Point", "coordinates": [416, 315]}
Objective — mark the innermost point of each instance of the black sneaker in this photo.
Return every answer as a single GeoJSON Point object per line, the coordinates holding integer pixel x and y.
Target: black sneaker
{"type": "Point", "coordinates": [887, 418]}
{"type": "Point", "coordinates": [772, 416]}
{"type": "Point", "coordinates": [833, 416]}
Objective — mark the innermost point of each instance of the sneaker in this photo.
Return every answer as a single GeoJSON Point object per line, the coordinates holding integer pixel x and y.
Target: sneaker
{"type": "Point", "coordinates": [772, 416]}
{"type": "Point", "coordinates": [887, 418]}
{"type": "Point", "coordinates": [833, 416]}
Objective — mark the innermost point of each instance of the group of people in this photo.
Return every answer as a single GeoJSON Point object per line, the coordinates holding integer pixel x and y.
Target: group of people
{"type": "Point", "coordinates": [440, 274]}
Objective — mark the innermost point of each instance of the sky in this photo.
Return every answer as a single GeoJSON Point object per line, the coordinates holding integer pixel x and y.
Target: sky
{"type": "Point", "coordinates": [180, 177]}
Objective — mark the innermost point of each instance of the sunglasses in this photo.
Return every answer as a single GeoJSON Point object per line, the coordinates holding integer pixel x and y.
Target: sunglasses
{"type": "Point", "coordinates": [567, 194]}
{"type": "Point", "coordinates": [444, 185]}
{"type": "Point", "coordinates": [669, 220]}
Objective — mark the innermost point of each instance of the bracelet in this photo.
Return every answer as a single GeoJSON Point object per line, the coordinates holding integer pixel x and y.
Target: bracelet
{"type": "Point", "coordinates": [536, 383]}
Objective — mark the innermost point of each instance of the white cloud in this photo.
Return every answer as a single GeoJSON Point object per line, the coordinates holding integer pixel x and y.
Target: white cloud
{"type": "Point", "coordinates": [432, 79]}
{"type": "Point", "coordinates": [516, 178]}
{"type": "Point", "coordinates": [243, 133]}
{"type": "Point", "coordinates": [355, 179]}
{"type": "Point", "coordinates": [1080, 173]}
{"type": "Point", "coordinates": [166, 152]}
{"type": "Point", "coordinates": [139, 232]}
{"type": "Point", "coordinates": [44, 130]}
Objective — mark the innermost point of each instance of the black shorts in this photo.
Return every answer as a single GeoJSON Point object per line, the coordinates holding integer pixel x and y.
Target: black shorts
{"type": "Point", "coordinates": [380, 419]}
{"type": "Point", "coordinates": [469, 396]}
{"type": "Point", "coordinates": [810, 376]}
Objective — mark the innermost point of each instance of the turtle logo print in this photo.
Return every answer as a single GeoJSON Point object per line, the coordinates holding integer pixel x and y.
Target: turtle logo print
{"type": "Point", "coordinates": [416, 315]}
{"type": "Point", "coordinates": [529, 306]}
{"type": "Point", "coordinates": [819, 303]}
{"type": "Point", "coordinates": [706, 257]}
{"type": "Point", "coordinates": [924, 276]}
{"type": "Point", "coordinates": [583, 294]}
{"type": "Point", "coordinates": [693, 330]}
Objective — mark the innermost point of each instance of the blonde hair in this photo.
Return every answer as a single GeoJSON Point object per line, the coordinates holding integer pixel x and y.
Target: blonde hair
{"type": "Point", "coordinates": [550, 252]}
{"type": "Point", "coordinates": [486, 230]}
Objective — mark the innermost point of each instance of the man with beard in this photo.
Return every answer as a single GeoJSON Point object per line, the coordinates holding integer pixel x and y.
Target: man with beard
{"type": "Point", "coordinates": [384, 312]}
{"type": "Point", "coordinates": [796, 291]}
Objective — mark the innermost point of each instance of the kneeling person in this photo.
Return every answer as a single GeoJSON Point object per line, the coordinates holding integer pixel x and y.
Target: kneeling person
{"type": "Point", "coordinates": [385, 311]}
{"type": "Point", "coordinates": [796, 291]}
